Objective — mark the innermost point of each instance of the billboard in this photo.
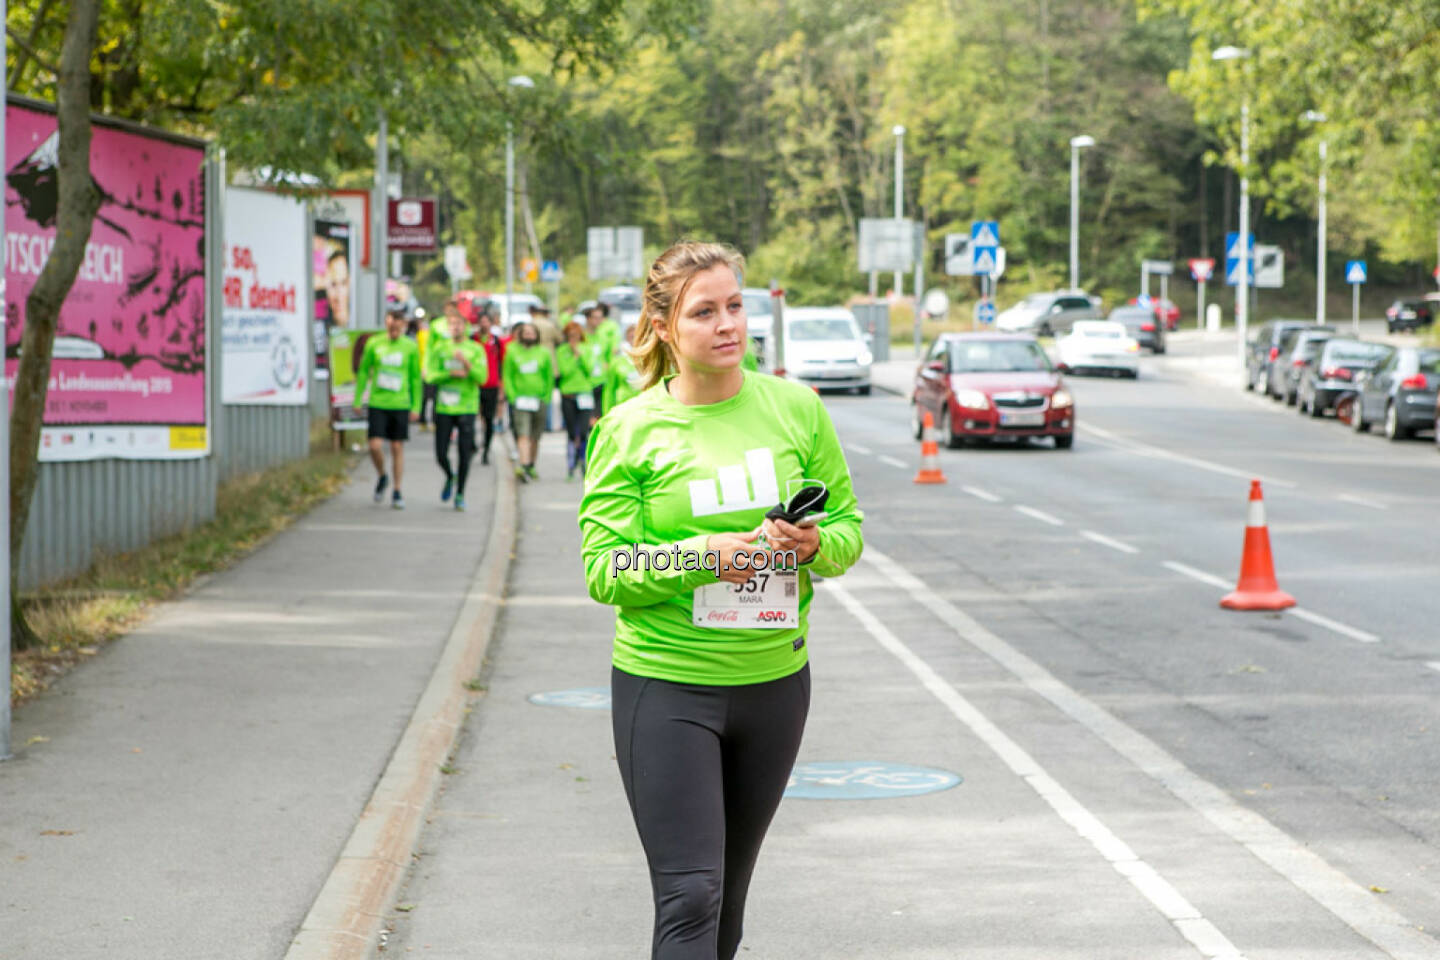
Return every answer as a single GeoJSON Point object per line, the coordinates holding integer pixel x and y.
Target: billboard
{"type": "Point", "coordinates": [264, 325]}
{"type": "Point", "coordinates": [412, 226]}
{"type": "Point", "coordinates": [352, 206]}
{"type": "Point", "coordinates": [127, 377]}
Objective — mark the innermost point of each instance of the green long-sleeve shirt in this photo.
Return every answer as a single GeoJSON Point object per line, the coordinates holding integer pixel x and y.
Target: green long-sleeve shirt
{"type": "Point", "coordinates": [456, 393]}
{"type": "Point", "coordinates": [528, 372]}
{"type": "Point", "coordinates": [574, 368]}
{"type": "Point", "coordinates": [394, 368]}
{"type": "Point", "coordinates": [660, 474]}
{"type": "Point", "coordinates": [622, 381]}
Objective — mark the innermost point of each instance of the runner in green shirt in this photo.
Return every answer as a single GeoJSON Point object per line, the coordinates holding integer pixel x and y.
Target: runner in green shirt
{"type": "Point", "coordinates": [456, 366]}
{"type": "Point", "coordinates": [683, 476]}
{"type": "Point", "coordinates": [577, 364]}
{"type": "Point", "coordinates": [528, 376]}
{"type": "Point", "coordinates": [622, 380]}
{"type": "Point", "coordinates": [390, 373]}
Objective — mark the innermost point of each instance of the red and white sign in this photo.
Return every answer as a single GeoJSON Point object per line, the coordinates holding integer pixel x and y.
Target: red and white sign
{"type": "Point", "coordinates": [412, 226]}
{"type": "Point", "coordinates": [1202, 270]}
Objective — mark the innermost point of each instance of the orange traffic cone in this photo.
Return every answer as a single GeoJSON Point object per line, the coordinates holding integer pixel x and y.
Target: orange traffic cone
{"type": "Point", "coordinates": [1257, 589]}
{"type": "Point", "coordinates": [929, 455]}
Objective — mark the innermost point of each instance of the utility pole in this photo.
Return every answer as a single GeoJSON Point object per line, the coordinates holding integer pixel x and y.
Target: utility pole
{"type": "Point", "coordinates": [381, 217]}
{"type": "Point", "coordinates": [899, 132]}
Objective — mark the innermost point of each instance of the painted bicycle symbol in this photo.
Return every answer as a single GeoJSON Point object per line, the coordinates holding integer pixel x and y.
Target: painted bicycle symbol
{"type": "Point", "coordinates": [584, 698]}
{"type": "Point", "coordinates": [865, 780]}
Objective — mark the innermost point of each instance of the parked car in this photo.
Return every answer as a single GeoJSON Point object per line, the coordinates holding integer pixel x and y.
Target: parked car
{"type": "Point", "coordinates": [824, 348]}
{"type": "Point", "coordinates": [1143, 326]}
{"type": "Point", "coordinates": [626, 302]}
{"type": "Point", "coordinates": [1331, 375]}
{"type": "Point", "coordinates": [1099, 346]}
{"type": "Point", "coordinates": [515, 308]}
{"type": "Point", "coordinates": [1048, 314]}
{"type": "Point", "coordinates": [1408, 315]}
{"type": "Point", "coordinates": [759, 312]}
{"type": "Point", "coordinates": [1400, 393]}
{"type": "Point", "coordinates": [1263, 350]}
{"type": "Point", "coordinates": [1297, 350]}
{"type": "Point", "coordinates": [983, 386]}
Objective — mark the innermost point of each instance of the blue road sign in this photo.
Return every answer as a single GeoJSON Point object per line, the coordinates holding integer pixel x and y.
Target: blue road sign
{"type": "Point", "coordinates": [985, 312]}
{"type": "Point", "coordinates": [859, 780]}
{"type": "Point", "coordinates": [550, 271]}
{"type": "Point", "coordinates": [1232, 259]}
{"type": "Point", "coordinates": [587, 698]}
{"type": "Point", "coordinates": [1355, 271]}
{"type": "Point", "coordinates": [984, 260]}
{"type": "Point", "coordinates": [984, 239]}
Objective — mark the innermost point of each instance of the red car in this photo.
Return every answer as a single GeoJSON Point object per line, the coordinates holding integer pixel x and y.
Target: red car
{"type": "Point", "coordinates": [1167, 311]}
{"type": "Point", "coordinates": [980, 386]}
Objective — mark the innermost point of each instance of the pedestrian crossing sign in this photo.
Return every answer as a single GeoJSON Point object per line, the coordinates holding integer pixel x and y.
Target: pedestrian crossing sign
{"type": "Point", "coordinates": [1355, 271]}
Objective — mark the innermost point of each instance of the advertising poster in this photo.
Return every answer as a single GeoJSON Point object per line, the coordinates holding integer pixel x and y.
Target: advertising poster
{"type": "Point", "coordinates": [412, 225]}
{"type": "Point", "coordinates": [263, 349]}
{"type": "Point", "coordinates": [128, 375]}
{"type": "Point", "coordinates": [352, 207]}
{"type": "Point", "coordinates": [346, 348]}
{"type": "Point", "coordinates": [334, 277]}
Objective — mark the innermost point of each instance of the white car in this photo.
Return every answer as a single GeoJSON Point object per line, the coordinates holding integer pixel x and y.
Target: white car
{"type": "Point", "coordinates": [518, 305]}
{"type": "Point", "coordinates": [1099, 345]}
{"type": "Point", "coordinates": [824, 348]}
{"type": "Point", "coordinates": [759, 313]}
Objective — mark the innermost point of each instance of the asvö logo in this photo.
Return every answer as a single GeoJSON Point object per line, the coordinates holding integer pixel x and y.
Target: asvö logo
{"type": "Point", "coordinates": [736, 486]}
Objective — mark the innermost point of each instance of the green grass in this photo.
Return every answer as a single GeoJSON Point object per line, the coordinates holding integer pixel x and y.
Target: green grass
{"type": "Point", "coordinates": [76, 617]}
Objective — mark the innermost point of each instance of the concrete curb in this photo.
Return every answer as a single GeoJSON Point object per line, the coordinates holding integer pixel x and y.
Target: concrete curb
{"type": "Point", "coordinates": [349, 913]}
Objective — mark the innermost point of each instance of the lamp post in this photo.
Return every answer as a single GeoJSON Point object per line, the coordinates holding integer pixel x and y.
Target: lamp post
{"type": "Point", "coordinates": [1242, 286]}
{"type": "Point", "coordinates": [1076, 144]}
{"type": "Point", "coordinates": [899, 132]}
{"type": "Point", "coordinates": [1315, 116]}
{"type": "Point", "coordinates": [523, 82]}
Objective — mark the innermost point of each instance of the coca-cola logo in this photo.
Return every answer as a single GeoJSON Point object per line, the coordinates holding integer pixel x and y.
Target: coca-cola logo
{"type": "Point", "coordinates": [723, 616]}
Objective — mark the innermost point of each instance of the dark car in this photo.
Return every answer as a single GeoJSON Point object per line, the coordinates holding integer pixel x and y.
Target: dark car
{"type": "Point", "coordinates": [1264, 348]}
{"type": "Point", "coordinates": [1400, 393]}
{"type": "Point", "coordinates": [1142, 325]}
{"type": "Point", "coordinates": [1297, 350]}
{"type": "Point", "coordinates": [1332, 374]}
{"type": "Point", "coordinates": [1408, 315]}
{"type": "Point", "coordinates": [984, 386]}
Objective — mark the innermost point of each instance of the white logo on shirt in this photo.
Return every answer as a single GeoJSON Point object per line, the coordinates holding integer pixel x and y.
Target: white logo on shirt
{"type": "Point", "coordinates": [735, 486]}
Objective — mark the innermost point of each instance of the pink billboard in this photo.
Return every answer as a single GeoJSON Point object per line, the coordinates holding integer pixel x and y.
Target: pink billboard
{"type": "Point", "coordinates": [128, 371]}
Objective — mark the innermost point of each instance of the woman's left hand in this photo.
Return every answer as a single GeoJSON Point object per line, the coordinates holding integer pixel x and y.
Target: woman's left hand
{"type": "Point", "coordinates": [781, 535]}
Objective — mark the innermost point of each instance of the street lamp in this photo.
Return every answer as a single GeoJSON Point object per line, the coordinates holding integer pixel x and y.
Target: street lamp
{"type": "Point", "coordinates": [1315, 116]}
{"type": "Point", "coordinates": [1076, 144]}
{"type": "Point", "coordinates": [899, 132]}
{"type": "Point", "coordinates": [523, 82]}
{"type": "Point", "coordinates": [1242, 287]}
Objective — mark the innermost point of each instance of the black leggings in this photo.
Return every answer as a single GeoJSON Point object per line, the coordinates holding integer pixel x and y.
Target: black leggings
{"type": "Point", "coordinates": [704, 768]}
{"type": "Point", "coordinates": [577, 429]}
{"type": "Point", "coordinates": [465, 424]}
{"type": "Point", "coordinates": [489, 400]}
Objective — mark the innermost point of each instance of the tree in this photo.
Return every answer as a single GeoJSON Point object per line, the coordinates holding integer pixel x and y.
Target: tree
{"type": "Point", "coordinates": [79, 200]}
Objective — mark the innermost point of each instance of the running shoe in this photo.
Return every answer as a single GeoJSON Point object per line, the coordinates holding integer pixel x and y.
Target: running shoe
{"type": "Point", "coordinates": [397, 502]}
{"type": "Point", "coordinates": [530, 472]}
{"type": "Point", "coordinates": [520, 474]}
{"type": "Point", "coordinates": [449, 487]}
{"type": "Point", "coordinates": [460, 502]}
{"type": "Point", "coordinates": [380, 486]}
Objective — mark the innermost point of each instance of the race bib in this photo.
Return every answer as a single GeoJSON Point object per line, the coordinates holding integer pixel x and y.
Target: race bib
{"type": "Point", "coordinates": [532, 367]}
{"type": "Point", "coordinates": [450, 398]}
{"type": "Point", "coordinates": [392, 359]}
{"type": "Point", "coordinates": [527, 403]}
{"type": "Point", "coordinates": [769, 600]}
{"type": "Point", "coordinates": [390, 381]}
{"type": "Point", "coordinates": [597, 371]}
{"type": "Point", "coordinates": [585, 401]}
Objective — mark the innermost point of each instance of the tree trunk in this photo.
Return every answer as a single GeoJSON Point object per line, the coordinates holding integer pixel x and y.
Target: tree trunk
{"type": "Point", "coordinates": [78, 202]}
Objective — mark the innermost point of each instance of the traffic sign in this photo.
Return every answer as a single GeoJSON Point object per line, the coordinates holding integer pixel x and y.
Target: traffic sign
{"type": "Point", "coordinates": [1202, 270]}
{"type": "Point", "coordinates": [455, 264]}
{"type": "Point", "coordinates": [1355, 272]}
{"type": "Point", "coordinates": [1267, 269]}
{"type": "Point", "coordinates": [985, 233]}
{"type": "Point", "coordinates": [985, 312]}
{"type": "Point", "coordinates": [886, 244]}
{"type": "Point", "coordinates": [1157, 268]}
{"type": "Point", "coordinates": [1232, 245]}
{"type": "Point", "coordinates": [937, 303]}
{"type": "Point", "coordinates": [1232, 258]}
{"type": "Point", "coordinates": [984, 260]}
{"type": "Point", "coordinates": [550, 271]}
{"type": "Point", "coordinates": [529, 270]}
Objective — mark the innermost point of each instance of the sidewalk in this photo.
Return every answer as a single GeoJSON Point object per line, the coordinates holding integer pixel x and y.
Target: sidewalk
{"type": "Point", "coordinates": [186, 793]}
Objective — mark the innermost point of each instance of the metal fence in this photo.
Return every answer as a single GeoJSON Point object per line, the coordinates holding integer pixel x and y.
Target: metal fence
{"type": "Point", "coordinates": [257, 438]}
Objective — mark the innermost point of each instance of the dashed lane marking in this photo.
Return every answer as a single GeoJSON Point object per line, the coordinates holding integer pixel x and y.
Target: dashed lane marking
{"type": "Point", "coordinates": [1335, 625]}
{"type": "Point", "coordinates": [1355, 906]}
{"type": "Point", "coordinates": [1105, 541]}
{"type": "Point", "coordinates": [893, 461]}
{"type": "Point", "coordinates": [1361, 501]}
{"type": "Point", "coordinates": [985, 495]}
{"type": "Point", "coordinates": [1194, 574]}
{"type": "Point", "coordinates": [1040, 515]}
{"type": "Point", "coordinates": [1146, 450]}
{"type": "Point", "coordinates": [857, 448]}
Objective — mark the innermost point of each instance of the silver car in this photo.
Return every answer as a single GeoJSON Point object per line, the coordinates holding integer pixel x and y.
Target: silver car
{"type": "Point", "coordinates": [824, 348]}
{"type": "Point", "coordinates": [1048, 314]}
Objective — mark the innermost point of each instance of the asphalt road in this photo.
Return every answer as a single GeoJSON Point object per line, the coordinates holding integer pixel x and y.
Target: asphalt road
{"type": "Point", "coordinates": [1143, 773]}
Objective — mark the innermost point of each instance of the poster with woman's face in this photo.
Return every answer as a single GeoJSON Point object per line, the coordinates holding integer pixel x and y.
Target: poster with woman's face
{"type": "Point", "coordinates": [334, 284]}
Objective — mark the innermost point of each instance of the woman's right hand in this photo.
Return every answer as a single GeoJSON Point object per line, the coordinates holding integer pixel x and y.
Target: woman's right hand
{"type": "Point", "coordinates": [729, 544]}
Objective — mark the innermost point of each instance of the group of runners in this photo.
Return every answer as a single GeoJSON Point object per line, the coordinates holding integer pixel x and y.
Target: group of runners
{"type": "Point", "coordinates": [464, 367]}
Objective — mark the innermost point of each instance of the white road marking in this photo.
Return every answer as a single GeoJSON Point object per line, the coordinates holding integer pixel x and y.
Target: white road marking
{"type": "Point", "coordinates": [1187, 920]}
{"type": "Point", "coordinates": [1354, 905]}
{"type": "Point", "coordinates": [893, 461]}
{"type": "Point", "coordinates": [1040, 515]}
{"type": "Point", "coordinates": [1433, 664]}
{"type": "Point", "coordinates": [985, 495]}
{"type": "Point", "coordinates": [1335, 625]}
{"type": "Point", "coordinates": [1146, 450]}
{"type": "Point", "coordinates": [1194, 574]}
{"type": "Point", "coordinates": [857, 448]}
{"type": "Point", "coordinates": [1373, 504]}
{"type": "Point", "coordinates": [1105, 541]}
